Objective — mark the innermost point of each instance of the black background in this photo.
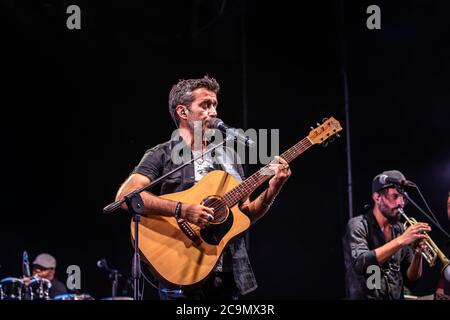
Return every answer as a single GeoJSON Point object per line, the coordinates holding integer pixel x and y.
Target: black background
{"type": "Point", "coordinates": [80, 107]}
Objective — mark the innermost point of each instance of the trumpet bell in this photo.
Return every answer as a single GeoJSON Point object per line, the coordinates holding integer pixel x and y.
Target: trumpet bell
{"type": "Point", "coordinates": [446, 273]}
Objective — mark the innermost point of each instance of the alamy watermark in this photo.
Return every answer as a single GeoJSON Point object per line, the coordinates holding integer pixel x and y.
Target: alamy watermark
{"type": "Point", "coordinates": [374, 20]}
{"type": "Point", "coordinates": [74, 20]}
{"type": "Point", "coordinates": [374, 279]}
{"type": "Point", "coordinates": [73, 277]}
{"type": "Point", "coordinates": [268, 142]}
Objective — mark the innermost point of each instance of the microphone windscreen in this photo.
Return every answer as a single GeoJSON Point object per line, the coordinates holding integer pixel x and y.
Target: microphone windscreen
{"type": "Point", "coordinates": [409, 183]}
{"type": "Point", "coordinates": [214, 123]}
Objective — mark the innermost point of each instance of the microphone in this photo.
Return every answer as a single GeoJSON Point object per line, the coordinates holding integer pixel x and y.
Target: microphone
{"type": "Point", "coordinates": [102, 264]}
{"type": "Point", "coordinates": [112, 272]}
{"type": "Point", "coordinates": [25, 265]}
{"type": "Point", "coordinates": [216, 123]}
{"type": "Point", "coordinates": [384, 179]}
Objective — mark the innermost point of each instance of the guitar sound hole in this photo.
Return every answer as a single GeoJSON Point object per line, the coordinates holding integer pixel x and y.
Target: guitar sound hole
{"type": "Point", "coordinates": [221, 210]}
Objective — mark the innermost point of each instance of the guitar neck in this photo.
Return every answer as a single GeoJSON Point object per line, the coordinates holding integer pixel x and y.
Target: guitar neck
{"type": "Point", "coordinates": [250, 184]}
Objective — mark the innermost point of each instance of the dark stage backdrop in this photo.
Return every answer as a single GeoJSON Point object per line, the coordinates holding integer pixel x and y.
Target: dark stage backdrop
{"type": "Point", "coordinates": [81, 107]}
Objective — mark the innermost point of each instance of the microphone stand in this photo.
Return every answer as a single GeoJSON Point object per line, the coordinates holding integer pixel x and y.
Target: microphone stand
{"type": "Point", "coordinates": [114, 276]}
{"type": "Point", "coordinates": [135, 205]}
{"type": "Point", "coordinates": [26, 274]}
{"type": "Point", "coordinates": [435, 222]}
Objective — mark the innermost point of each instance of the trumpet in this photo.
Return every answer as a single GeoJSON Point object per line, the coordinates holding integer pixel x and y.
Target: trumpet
{"type": "Point", "coordinates": [431, 252]}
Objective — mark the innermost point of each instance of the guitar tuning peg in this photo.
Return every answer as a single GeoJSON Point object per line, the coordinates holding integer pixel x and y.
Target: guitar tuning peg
{"type": "Point", "coordinates": [324, 119]}
{"type": "Point", "coordinates": [312, 128]}
{"type": "Point", "coordinates": [338, 135]}
{"type": "Point", "coordinates": [318, 124]}
{"type": "Point", "coordinates": [325, 144]}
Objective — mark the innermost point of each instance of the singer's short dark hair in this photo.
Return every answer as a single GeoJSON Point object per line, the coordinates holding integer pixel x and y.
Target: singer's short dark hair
{"type": "Point", "coordinates": [181, 93]}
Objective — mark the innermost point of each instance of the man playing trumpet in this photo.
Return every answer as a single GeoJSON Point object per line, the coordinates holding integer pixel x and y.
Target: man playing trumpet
{"type": "Point", "coordinates": [376, 244]}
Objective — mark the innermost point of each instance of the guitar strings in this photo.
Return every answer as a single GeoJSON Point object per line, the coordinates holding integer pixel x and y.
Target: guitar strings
{"type": "Point", "coordinates": [289, 155]}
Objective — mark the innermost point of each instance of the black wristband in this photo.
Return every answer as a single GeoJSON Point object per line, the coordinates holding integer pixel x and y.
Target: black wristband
{"type": "Point", "coordinates": [178, 210]}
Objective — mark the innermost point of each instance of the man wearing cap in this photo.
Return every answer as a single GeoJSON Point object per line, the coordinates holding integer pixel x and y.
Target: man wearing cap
{"type": "Point", "coordinates": [378, 258]}
{"type": "Point", "coordinates": [444, 286]}
{"type": "Point", "coordinates": [44, 266]}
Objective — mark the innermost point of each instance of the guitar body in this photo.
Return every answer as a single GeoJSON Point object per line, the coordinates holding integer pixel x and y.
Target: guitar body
{"type": "Point", "coordinates": [170, 254]}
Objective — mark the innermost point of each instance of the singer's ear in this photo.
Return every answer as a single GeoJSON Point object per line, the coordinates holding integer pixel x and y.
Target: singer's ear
{"type": "Point", "coordinates": [181, 111]}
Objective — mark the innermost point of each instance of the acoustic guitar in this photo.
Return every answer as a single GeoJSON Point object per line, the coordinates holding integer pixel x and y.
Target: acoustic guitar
{"type": "Point", "coordinates": [183, 254]}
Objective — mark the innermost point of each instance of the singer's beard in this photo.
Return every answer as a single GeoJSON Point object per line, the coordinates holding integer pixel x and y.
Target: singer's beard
{"type": "Point", "coordinates": [198, 125]}
{"type": "Point", "coordinates": [199, 130]}
{"type": "Point", "coordinates": [391, 214]}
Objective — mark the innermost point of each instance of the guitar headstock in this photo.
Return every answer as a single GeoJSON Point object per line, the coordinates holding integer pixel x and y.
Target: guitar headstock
{"type": "Point", "coordinates": [329, 128]}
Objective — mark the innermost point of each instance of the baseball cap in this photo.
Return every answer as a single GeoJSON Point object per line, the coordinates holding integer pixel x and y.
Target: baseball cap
{"type": "Point", "coordinates": [377, 185]}
{"type": "Point", "coordinates": [45, 260]}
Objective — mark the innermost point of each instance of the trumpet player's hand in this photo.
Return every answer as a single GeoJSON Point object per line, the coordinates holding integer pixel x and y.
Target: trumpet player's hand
{"type": "Point", "coordinates": [414, 233]}
{"type": "Point", "coordinates": [421, 246]}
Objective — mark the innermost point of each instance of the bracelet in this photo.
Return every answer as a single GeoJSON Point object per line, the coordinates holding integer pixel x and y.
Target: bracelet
{"type": "Point", "coordinates": [178, 210]}
{"type": "Point", "coordinates": [265, 204]}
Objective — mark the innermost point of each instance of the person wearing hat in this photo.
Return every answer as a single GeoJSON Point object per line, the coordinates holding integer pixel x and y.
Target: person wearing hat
{"type": "Point", "coordinates": [44, 267]}
{"type": "Point", "coordinates": [379, 260]}
{"type": "Point", "coordinates": [193, 104]}
{"type": "Point", "coordinates": [443, 286]}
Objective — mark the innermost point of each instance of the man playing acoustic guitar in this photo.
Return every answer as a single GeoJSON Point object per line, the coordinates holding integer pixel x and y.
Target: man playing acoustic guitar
{"type": "Point", "coordinates": [191, 102]}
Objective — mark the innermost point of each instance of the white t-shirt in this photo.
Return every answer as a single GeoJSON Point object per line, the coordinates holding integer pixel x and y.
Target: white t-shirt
{"type": "Point", "coordinates": [205, 164]}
